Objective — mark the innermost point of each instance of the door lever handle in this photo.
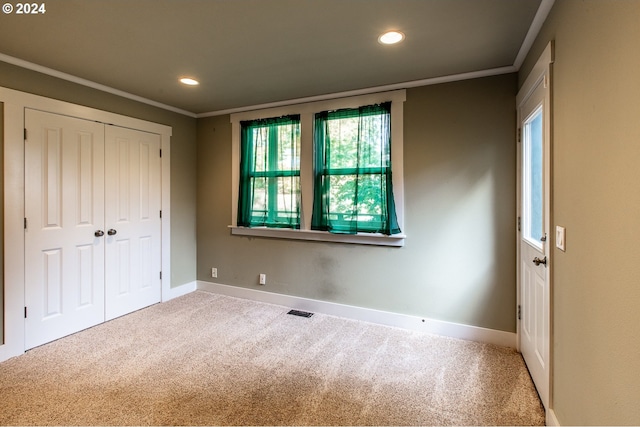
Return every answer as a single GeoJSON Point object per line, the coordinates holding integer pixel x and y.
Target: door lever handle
{"type": "Point", "coordinates": [538, 261]}
{"type": "Point", "coordinates": [99, 233]}
{"type": "Point", "coordinates": [111, 232]}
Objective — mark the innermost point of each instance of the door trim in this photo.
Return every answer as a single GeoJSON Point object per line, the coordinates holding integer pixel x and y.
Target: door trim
{"type": "Point", "coordinates": [15, 103]}
{"type": "Point", "coordinates": [540, 74]}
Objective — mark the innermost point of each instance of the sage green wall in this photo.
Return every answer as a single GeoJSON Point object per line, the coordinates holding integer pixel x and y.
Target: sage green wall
{"type": "Point", "coordinates": [596, 185]}
{"type": "Point", "coordinates": [458, 263]}
{"type": "Point", "coordinates": [183, 152]}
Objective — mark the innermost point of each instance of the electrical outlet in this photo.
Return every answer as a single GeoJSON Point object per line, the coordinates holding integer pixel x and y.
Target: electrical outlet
{"type": "Point", "coordinates": [214, 272]}
{"type": "Point", "coordinates": [263, 279]}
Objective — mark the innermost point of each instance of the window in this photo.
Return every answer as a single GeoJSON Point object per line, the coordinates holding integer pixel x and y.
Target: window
{"type": "Point", "coordinates": [353, 190]}
{"type": "Point", "coordinates": [270, 173]}
{"type": "Point", "coordinates": [533, 170]}
{"type": "Point", "coordinates": [334, 186]}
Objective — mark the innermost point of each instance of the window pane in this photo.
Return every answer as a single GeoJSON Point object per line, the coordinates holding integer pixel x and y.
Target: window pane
{"type": "Point", "coordinates": [342, 141]}
{"type": "Point", "coordinates": [260, 144]}
{"type": "Point", "coordinates": [288, 157]}
{"type": "Point", "coordinates": [259, 190]}
{"type": "Point", "coordinates": [270, 169]}
{"type": "Point", "coordinates": [533, 185]}
{"type": "Point", "coordinates": [366, 208]}
{"type": "Point", "coordinates": [353, 191]}
{"type": "Point", "coordinates": [341, 188]}
{"type": "Point", "coordinates": [288, 199]}
{"type": "Point", "coordinates": [374, 153]}
{"type": "Point", "coordinates": [348, 151]}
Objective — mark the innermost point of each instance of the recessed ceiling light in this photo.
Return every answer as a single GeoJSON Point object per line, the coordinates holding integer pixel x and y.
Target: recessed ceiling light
{"type": "Point", "coordinates": [391, 37]}
{"type": "Point", "coordinates": [189, 81]}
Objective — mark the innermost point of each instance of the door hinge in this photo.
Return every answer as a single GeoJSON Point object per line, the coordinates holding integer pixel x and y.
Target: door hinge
{"type": "Point", "coordinates": [161, 275]}
{"type": "Point", "coordinates": [161, 152]}
{"type": "Point", "coordinates": [160, 214]}
{"type": "Point", "coordinates": [25, 223]}
{"type": "Point", "coordinates": [519, 135]}
{"type": "Point", "coordinates": [519, 312]}
{"type": "Point", "coordinates": [519, 223]}
{"type": "Point", "coordinates": [25, 312]}
{"type": "Point", "coordinates": [25, 134]}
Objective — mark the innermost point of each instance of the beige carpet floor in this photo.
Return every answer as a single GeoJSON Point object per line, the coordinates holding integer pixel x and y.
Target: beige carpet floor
{"type": "Point", "coordinates": [206, 359]}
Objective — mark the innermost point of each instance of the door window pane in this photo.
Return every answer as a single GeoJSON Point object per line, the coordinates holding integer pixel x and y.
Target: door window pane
{"type": "Point", "coordinates": [533, 199]}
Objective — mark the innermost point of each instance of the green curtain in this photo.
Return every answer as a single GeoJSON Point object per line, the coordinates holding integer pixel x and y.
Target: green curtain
{"type": "Point", "coordinates": [269, 194]}
{"type": "Point", "coordinates": [353, 189]}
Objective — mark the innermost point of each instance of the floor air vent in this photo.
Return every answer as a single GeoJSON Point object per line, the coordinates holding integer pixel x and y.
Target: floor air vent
{"type": "Point", "coordinates": [300, 313]}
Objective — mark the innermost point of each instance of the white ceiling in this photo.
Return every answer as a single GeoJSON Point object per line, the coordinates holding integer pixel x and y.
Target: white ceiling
{"type": "Point", "coordinates": [252, 52]}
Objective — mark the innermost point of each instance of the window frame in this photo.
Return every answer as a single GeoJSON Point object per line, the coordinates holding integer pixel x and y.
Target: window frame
{"type": "Point", "coordinates": [329, 169]}
{"type": "Point", "coordinates": [527, 184]}
{"type": "Point", "coordinates": [272, 170]}
{"type": "Point", "coordinates": [307, 112]}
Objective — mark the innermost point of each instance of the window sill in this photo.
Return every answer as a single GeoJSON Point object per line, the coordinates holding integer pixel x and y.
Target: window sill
{"type": "Point", "coordinates": [396, 240]}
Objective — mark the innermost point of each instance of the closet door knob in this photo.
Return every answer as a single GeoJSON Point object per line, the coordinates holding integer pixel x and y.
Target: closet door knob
{"type": "Point", "coordinates": [99, 233]}
{"type": "Point", "coordinates": [111, 232]}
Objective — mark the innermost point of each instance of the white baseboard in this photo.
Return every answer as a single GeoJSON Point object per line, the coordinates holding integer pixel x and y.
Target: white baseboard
{"type": "Point", "coordinates": [179, 291]}
{"type": "Point", "coordinates": [551, 418]}
{"type": "Point", "coordinates": [438, 327]}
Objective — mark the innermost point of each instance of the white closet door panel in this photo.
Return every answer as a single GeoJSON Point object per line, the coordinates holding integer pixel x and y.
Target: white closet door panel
{"type": "Point", "coordinates": [64, 207]}
{"type": "Point", "coordinates": [132, 214]}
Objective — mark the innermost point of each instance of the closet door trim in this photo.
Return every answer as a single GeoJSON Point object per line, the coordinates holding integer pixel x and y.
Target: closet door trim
{"type": "Point", "coordinates": [15, 103]}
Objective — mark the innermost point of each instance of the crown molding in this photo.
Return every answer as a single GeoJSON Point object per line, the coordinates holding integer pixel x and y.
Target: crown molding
{"type": "Point", "coordinates": [534, 30]}
{"type": "Point", "coordinates": [532, 33]}
{"type": "Point", "coordinates": [366, 91]}
{"type": "Point", "coordinates": [88, 83]}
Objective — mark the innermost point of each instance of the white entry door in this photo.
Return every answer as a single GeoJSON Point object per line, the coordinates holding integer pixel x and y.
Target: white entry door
{"type": "Point", "coordinates": [92, 224]}
{"type": "Point", "coordinates": [64, 209]}
{"type": "Point", "coordinates": [534, 211]}
{"type": "Point", "coordinates": [132, 211]}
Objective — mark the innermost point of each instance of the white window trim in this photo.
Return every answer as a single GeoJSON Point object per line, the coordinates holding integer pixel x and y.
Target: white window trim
{"type": "Point", "coordinates": [306, 111]}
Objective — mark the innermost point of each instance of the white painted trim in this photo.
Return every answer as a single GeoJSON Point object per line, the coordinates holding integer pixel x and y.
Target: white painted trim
{"type": "Point", "coordinates": [179, 291]}
{"type": "Point", "coordinates": [165, 163]}
{"type": "Point", "coordinates": [15, 103]}
{"type": "Point", "coordinates": [551, 419]}
{"type": "Point", "coordinates": [404, 321]}
{"type": "Point", "coordinates": [354, 101]}
{"type": "Point", "coordinates": [366, 91]}
{"type": "Point", "coordinates": [88, 83]}
{"type": "Point", "coordinates": [539, 71]}
{"type": "Point", "coordinates": [306, 112]}
{"type": "Point", "coordinates": [396, 240]}
{"type": "Point", "coordinates": [37, 102]}
{"type": "Point", "coordinates": [13, 230]}
{"type": "Point", "coordinates": [534, 30]}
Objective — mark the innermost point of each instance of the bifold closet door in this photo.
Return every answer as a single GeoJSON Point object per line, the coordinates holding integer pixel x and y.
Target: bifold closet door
{"type": "Point", "coordinates": [132, 218]}
{"type": "Point", "coordinates": [64, 215]}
